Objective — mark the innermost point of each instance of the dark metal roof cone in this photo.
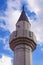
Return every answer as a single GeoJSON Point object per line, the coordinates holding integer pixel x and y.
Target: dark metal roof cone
{"type": "Point", "coordinates": [23, 16]}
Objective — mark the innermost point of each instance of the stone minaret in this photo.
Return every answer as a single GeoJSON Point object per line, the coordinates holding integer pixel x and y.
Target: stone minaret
{"type": "Point", "coordinates": [23, 41]}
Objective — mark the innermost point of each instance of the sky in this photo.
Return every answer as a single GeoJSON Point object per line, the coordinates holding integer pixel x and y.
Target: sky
{"type": "Point", "coordinates": [10, 11]}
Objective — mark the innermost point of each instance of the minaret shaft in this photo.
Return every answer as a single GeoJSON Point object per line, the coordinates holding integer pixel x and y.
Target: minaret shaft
{"type": "Point", "coordinates": [23, 55]}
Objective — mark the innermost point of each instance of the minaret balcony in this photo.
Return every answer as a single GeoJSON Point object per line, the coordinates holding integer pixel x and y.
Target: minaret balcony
{"type": "Point", "coordinates": [23, 34]}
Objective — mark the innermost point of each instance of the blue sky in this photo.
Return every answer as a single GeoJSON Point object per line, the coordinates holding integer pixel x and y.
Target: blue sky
{"type": "Point", "coordinates": [10, 11]}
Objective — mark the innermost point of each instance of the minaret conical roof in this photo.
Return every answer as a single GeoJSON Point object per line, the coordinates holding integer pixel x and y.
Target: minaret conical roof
{"type": "Point", "coordinates": [23, 16]}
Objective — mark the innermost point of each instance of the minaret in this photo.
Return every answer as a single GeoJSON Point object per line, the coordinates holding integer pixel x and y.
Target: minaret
{"type": "Point", "coordinates": [22, 41]}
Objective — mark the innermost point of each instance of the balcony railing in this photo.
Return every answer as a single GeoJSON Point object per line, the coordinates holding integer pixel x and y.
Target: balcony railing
{"type": "Point", "coordinates": [23, 33]}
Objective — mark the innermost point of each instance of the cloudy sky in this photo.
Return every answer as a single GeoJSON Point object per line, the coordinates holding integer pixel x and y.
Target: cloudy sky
{"type": "Point", "coordinates": [10, 11]}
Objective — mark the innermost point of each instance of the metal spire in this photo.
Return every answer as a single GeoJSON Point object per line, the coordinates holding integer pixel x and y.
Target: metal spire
{"type": "Point", "coordinates": [23, 8]}
{"type": "Point", "coordinates": [23, 16]}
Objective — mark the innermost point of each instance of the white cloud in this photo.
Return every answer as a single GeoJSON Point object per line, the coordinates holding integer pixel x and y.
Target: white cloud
{"type": "Point", "coordinates": [12, 19]}
{"type": "Point", "coordinates": [33, 6]}
{"type": "Point", "coordinates": [14, 3]}
{"type": "Point", "coordinates": [11, 14]}
{"type": "Point", "coordinates": [5, 60]}
{"type": "Point", "coordinates": [37, 26]}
